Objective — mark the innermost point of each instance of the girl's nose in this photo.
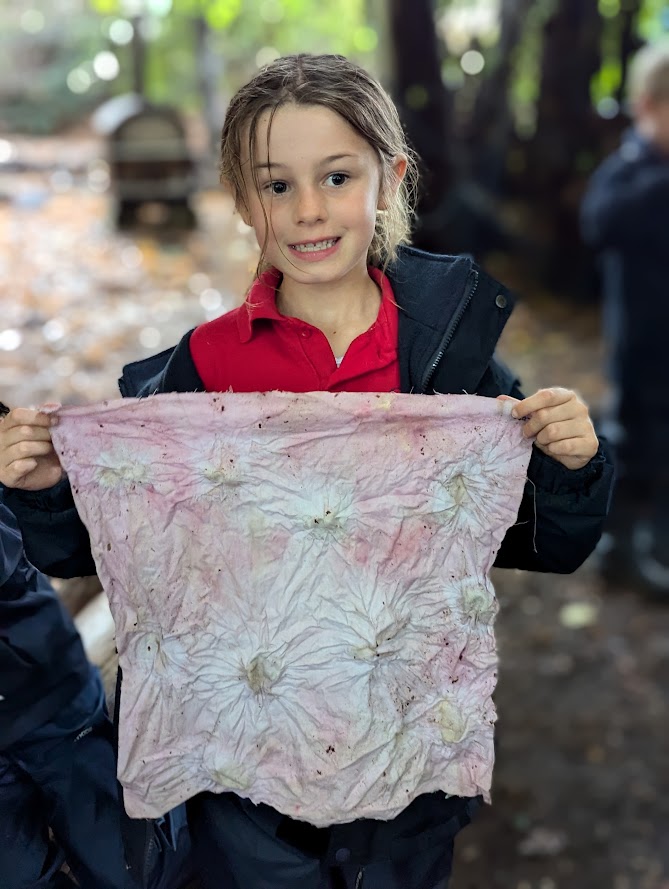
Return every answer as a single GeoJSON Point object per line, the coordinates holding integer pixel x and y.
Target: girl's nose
{"type": "Point", "coordinates": [310, 206]}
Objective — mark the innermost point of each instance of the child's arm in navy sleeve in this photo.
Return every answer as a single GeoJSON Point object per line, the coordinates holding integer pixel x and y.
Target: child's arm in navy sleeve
{"type": "Point", "coordinates": [562, 513]}
{"type": "Point", "coordinates": [626, 204]}
{"type": "Point", "coordinates": [54, 537]}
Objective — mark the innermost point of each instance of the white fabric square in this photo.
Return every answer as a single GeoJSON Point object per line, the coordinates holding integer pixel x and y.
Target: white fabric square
{"type": "Point", "coordinates": [300, 589]}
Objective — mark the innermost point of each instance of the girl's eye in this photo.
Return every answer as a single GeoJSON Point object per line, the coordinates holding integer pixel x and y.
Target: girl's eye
{"type": "Point", "coordinates": [337, 179]}
{"type": "Point", "coordinates": [276, 187]}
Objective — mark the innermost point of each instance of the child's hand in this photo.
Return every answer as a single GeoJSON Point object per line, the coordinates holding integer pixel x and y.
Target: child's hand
{"type": "Point", "coordinates": [27, 457]}
{"type": "Point", "coordinates": [560, 424]}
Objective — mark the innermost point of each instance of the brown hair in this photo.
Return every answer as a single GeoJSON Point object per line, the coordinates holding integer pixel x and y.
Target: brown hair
{"type": "Point", "coordinates": [649, 73]}
{"type": "Point", "coordinates": [347, 89]}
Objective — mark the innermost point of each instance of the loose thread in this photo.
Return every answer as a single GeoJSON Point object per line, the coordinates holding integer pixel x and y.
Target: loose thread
{"type": "Point", "coordinates": [518, 524]}
{"type": "Point", "coordinates": [534, 535]}
{"type": "Point", "coordinates": [464, 392]}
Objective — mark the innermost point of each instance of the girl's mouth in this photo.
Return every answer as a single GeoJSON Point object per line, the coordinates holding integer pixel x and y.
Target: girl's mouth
{"type": "Point", "coordinates": [314, 246]}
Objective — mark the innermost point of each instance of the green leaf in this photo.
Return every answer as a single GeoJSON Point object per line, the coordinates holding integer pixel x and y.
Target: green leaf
{"type": "Point", "coordinates": [221, 13]}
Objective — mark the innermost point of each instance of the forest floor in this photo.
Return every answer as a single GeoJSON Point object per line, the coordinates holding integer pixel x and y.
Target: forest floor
{"type": "Point", "coordinates": [581, 790]}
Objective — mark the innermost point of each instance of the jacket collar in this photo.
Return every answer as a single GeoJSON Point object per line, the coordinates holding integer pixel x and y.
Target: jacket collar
{"type": "Point", "coordinates": [260, 302]}
{"type": "Point", "coordinates": [451, 317]}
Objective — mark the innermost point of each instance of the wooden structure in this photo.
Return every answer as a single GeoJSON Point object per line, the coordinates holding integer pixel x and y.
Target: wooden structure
{"type": "Point", "coordinates": [153, 172]}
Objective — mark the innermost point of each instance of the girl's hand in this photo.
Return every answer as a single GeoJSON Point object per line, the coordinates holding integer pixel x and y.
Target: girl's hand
{"type": "Point", "coordinates": [560, 424]}
{"type": "Point", "coordinates": [27, 457]}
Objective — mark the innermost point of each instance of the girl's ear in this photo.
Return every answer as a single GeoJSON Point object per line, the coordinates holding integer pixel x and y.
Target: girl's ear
{"type": "Point", "coordinates": [392, 181]}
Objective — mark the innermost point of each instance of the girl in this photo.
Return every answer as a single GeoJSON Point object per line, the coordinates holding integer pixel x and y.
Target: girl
{"type": "Point", "coordinates": [314, 153]}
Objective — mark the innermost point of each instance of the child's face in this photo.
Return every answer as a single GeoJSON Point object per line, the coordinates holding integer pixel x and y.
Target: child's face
{"type": "Point", "coordinates": [320, 186]}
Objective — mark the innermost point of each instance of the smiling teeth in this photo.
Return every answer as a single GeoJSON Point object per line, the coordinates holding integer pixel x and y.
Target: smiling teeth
{"type": "Point", "coordinates": [314, 246]}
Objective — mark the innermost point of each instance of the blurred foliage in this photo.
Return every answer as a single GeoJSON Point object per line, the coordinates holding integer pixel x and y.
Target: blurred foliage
{"type": "Point", "coordinates": [46, 46]}
{"type": "Point", "coordinates": [475, 24]}
{"type": "Point", "coordinates": [525, 83]}
{"type": "Point", "coordinates": [38, 50]}
{"type": "Point", "coordinates": [653, 19]}
{"type": "Point", "coordinates": [244, 35]}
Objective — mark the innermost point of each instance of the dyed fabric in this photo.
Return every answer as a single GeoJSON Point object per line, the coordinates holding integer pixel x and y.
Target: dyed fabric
{"type": "Point", "coordinates": [300, 589]}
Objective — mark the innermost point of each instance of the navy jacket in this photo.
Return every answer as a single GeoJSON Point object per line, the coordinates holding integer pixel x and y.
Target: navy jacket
{"type": "Point", "coordinates": [451, 316]}
{"type": "Point", "coordinates": [42, 662]}
{"type": "Point", "coordinates": [625, 217]}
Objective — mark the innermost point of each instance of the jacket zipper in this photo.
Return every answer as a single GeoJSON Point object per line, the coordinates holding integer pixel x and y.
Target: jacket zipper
{"type": "Point", "coordinates": [472, 284]}
{"type": "Point", "coordinates": [149, 844]}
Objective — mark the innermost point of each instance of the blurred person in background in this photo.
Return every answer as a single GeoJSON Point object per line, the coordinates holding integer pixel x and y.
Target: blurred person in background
{"type": "Point", "coordinates": [625, 217]}
{"type": "Point", "coordinates": [57, 763]}
{"type": "Point", "coordinates": [59, 797]}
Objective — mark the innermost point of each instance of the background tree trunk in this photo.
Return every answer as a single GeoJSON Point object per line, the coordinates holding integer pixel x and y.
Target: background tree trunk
{"type": "Point", "coordinates": [555, 170]}
{"type": "Point", "coordinates": [138, 52]}
{"type": "Point", "coordinates": [489, 134]}
{"type": "Point", "coordinates": [425, 107]}
{"type": "Point", "coordinates": [208, 71]}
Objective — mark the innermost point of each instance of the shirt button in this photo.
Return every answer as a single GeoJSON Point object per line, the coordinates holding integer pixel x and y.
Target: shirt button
{"type": "Point", "coordinates": [501, 301]}
{"type": "Point", "coordinates": [342, 855]}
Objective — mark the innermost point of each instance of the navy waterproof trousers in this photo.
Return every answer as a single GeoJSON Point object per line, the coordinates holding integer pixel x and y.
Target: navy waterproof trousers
{"type": "Point", "coordinates": [63, 776]}
{"type": "Point", "coordinates": [238, 845]}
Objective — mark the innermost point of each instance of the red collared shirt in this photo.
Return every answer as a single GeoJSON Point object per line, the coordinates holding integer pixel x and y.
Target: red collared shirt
{"type": "Point", "coordinates": [255, 349]}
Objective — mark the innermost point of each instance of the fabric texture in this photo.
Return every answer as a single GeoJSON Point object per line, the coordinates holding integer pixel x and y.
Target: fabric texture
{"type": "Point", "coordinates": [300, 590]}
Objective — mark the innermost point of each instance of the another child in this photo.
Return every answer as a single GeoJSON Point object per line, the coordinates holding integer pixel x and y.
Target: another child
{"type": "Point", "coordinates": [625, 216]}
{"type": "Point", "coordinates": [316, 158]}
{"type": "Point", "coordinates": [57, 763]}
{"type": "Point", "coordinates": [57, 745]}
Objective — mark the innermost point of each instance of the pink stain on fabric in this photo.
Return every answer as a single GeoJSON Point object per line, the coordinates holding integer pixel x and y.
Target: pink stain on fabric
{"type": "Point", "coordinates": [300, 589]}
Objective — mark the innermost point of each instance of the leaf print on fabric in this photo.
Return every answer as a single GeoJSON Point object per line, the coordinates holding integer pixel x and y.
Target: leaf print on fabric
{"type": "Point", "coordinates": [300, 589]}
{"type": "Point", "coordinates": [120, 467]}
{"type": "Point", "coordinates": [460, 498]}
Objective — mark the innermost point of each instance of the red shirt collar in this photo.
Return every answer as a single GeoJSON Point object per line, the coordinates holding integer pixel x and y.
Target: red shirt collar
{"type": "Point", "coordinates": [261, 300]}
